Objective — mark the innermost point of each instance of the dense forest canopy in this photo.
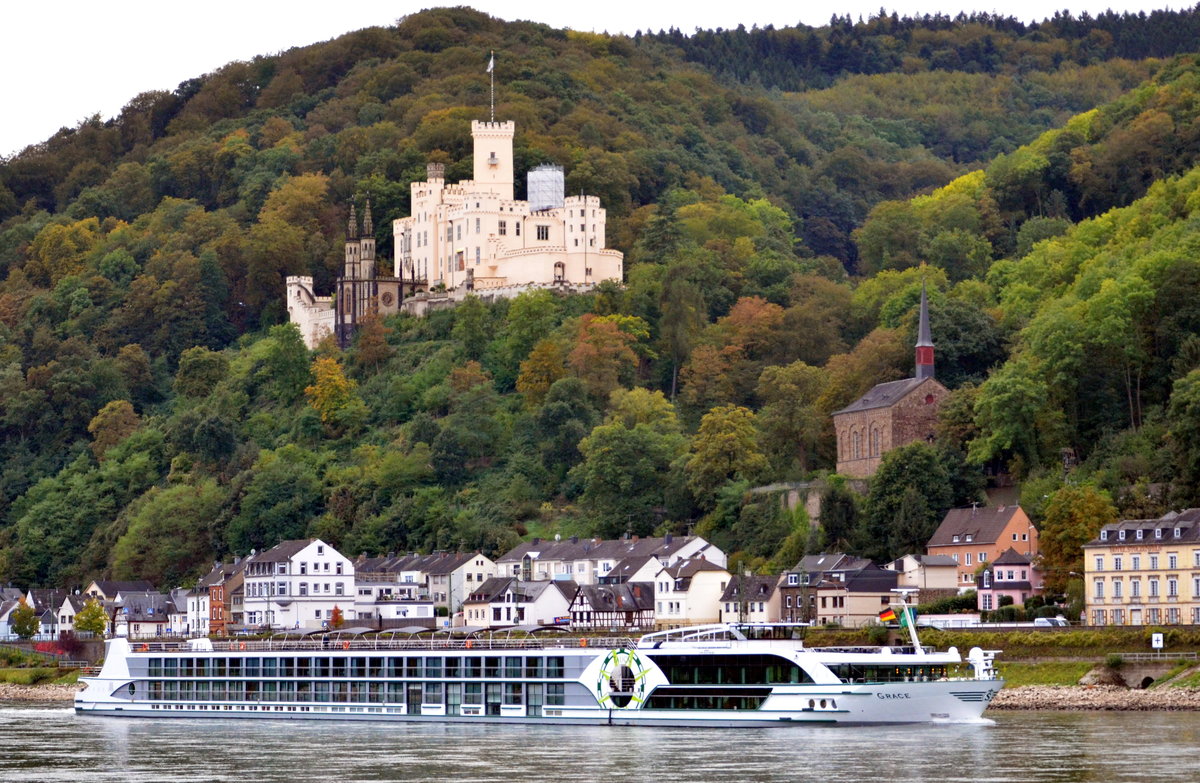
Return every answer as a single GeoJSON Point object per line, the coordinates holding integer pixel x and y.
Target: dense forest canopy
{"type": "Point", "coordinates": [781, 197]}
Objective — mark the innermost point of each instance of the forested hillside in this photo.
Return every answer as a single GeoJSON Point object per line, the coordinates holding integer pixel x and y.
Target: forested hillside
{"type": "Point", "coordinates": [778, 225]}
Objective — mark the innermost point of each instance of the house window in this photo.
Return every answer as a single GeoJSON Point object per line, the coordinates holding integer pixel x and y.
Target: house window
{"type": "Point", "coordinates": [1154, 588]}
{"type": "Point", "coordinates": [793, 579]}
{"type": "Point", "coordinates": [1117, 563]}
{"type": "Point", "coordinates": [1116, 588]}
{"type": "Point", "coordinates": [543, 233]}
{"type": "Point", "coordinates": [967, 561]}
{"type": "Point", "coordinates": [1103, 535]}
{"type": "Point", "coordinates": [1138, 535]}
{"type": "Point", "coordinates": [338, 589]}
{"type": "Point", "coordinates": [338, 569]}
{"type": "Point", "coordinates": [955, 556]}
{"type": "Point", "coordinates": [1099, 588]}
{"type": "Point", "coordinates": [1099, 563]}
{"type": "Point", "coordinates": [1158, 533]}
{"type": "Point", "coordinates": [983, 557]}
{"type": "Point", "coordinates": [1172, 561]}
{"type": "Point", "coordinates": [954, 539]}
{"type": "Point", "coordinates": [1173, 615]}
{"type": "Point", "coordinates": [1135, 562]}
{"type": "Point", "coordinates": [1135, 588]}
{"type": "Point", "coordinates": [1153, 562]}
{"type": "Point", "coordinates": [1196, 587]}
{"type": "Point", "coordinates": [1121, 535]}
{"type": "Point", "coordinates": [1172, 587]}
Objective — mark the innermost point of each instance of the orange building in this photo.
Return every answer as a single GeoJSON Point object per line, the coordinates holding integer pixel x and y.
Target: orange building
{"type": "Point", "coordinates": [978, 535]}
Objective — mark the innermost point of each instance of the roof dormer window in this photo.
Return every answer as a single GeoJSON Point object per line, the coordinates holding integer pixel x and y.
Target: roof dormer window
{"type": "Point", "coordinates": [1177, 532]}
{"type": "Point", "coordinates": [1139, 535]}
{"type": "Point", "coordinates": [1103, 535]}
{"type": "Point", "coordinates": [955, 539]}
{"type": "Point", "coordinates": [970, 538]}
{"type": "Point", "coordinates": [1121, 535]}
{"type": "Point", "coordinates": [1158, 532]}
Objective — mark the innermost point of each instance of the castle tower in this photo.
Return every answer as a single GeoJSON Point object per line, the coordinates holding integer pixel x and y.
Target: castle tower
{"type": "Point", "coordinates": [924, 341]}
{"type": "Point", "coordinates": [494, 157]}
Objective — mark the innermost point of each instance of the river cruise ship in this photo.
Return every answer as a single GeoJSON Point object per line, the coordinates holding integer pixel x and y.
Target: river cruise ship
{"type": "Point", "coordinates": [733, 674]}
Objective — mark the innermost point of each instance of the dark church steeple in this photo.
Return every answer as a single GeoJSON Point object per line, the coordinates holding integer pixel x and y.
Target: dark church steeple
{"type": "Point", "coordinates": [924, 341]}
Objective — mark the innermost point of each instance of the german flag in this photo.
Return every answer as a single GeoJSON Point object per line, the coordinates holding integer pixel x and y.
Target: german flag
{"type": "Point", "coordinates": [887, 616]}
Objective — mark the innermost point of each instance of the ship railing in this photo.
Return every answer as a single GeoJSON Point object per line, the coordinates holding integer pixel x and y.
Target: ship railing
{"type": "Point", "coordinates": [431, 644]}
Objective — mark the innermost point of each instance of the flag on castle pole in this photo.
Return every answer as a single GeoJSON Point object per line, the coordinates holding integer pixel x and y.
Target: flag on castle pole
{"type": "Point", "coordinates": [491, 63]}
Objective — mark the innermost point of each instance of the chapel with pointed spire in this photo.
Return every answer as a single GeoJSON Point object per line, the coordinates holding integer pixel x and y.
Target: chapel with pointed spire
{"type": "Point", "coordinates": [892, 414]}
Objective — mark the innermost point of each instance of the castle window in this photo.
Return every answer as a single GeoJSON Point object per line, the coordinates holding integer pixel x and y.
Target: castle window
{"type": "Point", "coordinates": [502, 230]}
{"type": "Point", "coordinates": [576, 243]}
{"type": "Point", "coordinates": [543, 233]}
{"type": "Point", "coordinates": [458, 231]}
{"type": "Point", "coordinates": [517, 229]}
{"type": "Point", "coordinates": [476, 256]}
{"type": "Point", "coordinates": [476, 223]}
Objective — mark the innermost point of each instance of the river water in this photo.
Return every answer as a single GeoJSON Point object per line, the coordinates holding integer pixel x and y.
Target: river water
{"type": "Point", "coordinates": [48, 743]}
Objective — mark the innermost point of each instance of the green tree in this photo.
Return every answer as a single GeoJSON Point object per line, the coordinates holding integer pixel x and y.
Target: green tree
{"type": "Point", "coordinates": [472, 326]}
{"type": "Point", "coordinates": [200, 370]}
{"type": "Point", "coordinates": [24, 621]}
{"type": "Point", "coordinates": [724, 449]}
{"type": "Point", "coordinates": [1074, 515]}
{"type": "Point", "coordinates": [92, 618]}
{"type": "Point", "coordinates": [910, 494]}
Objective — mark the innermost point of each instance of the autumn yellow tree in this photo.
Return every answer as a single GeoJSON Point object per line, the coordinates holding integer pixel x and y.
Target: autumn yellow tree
{"type": "Point", "coordinates": [115, 422]}
{"type": "Point", "coordinates": [539, 371]}
{"type": "Point", "coordinates": [601, 355]}
{"type": "Point", "coordinates": [335, 397]}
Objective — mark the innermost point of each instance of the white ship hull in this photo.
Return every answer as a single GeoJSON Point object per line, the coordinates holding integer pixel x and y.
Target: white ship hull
{"type": "Point", "coordinates": [695, 682]}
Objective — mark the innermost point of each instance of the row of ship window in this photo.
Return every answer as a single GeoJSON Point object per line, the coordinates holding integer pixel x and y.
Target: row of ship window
{"type": "Point", "coordinates": [468, 667]}
{"type": "Point", "coordinates": [487, 696]}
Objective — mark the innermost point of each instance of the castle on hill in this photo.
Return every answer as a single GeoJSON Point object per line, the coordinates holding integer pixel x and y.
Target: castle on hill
{"type": "Point", "coordinates": [464, 238]}
{"type": "Point", "coordinates": [892, 414]}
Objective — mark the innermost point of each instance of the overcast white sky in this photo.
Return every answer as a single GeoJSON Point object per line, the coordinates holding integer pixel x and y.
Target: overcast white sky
{"type": "Point", "coordinates": [61, 62]}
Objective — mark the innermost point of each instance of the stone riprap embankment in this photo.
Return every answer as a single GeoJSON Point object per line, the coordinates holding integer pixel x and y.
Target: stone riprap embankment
{"type": "Point", "coordinates": [11, 692]}
{"type": "Point", "coordinates": [1098, 698]}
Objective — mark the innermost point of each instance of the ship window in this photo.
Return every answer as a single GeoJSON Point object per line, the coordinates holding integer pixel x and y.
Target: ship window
{"type": "Point", "coordinates": [730, 669]}
{"type": "Point", "coordinates": [473, 693]}
{"type": "Point", "coordinates": [708, 698]}
{"type": "Point", "coordinates": [554, 667]}
{"type": "Point", "coordinates": [555, 694]}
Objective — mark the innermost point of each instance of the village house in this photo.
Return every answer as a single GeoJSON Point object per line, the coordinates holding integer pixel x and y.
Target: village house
{"type": "Point", "coordinates": [1011, 575]}
{"type": "Point", "coordinates": [892, 414]}
{"type": "Point", "coordinates": [110, 590]}
{"type": "Point", "coordinates": [298, 584]}
{"type": "Point", "coordinates": [588, 561]}
{"type": "Point", "coordinates": [221, 582]}
{"type": "Point", "coordinates": [973, 536]}
{"type": "Point", "coordinates": [933, 576]}
{"type": "Point", "coordinates": [795, 585]}
{"type": "Point", "coordinates": [688, 592]}
{"type": "Point", "coordinates": [1144, 571]}
{"type": "Point", "coordinates": [751, 599]}
{"type": "Point", "coordinates": [141, 614]}
{"type": "Point", "coordinates": [619, 607]}
{"type": "Point", "coordinates": [854, 597]}
{"type": "Point", "coordinates": [504, 601]}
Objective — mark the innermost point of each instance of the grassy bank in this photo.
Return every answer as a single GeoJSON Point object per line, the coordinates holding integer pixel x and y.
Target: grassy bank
{"type": "Point", "coordinates": [39, 675]}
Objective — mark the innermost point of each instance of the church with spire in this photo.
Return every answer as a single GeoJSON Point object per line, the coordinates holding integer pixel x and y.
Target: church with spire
{"type": "Point", "coordinates": [892, 414]}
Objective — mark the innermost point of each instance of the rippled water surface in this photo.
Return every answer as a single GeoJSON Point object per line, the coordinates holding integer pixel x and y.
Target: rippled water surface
{"type": "Point", "coordinates": [50, 743]}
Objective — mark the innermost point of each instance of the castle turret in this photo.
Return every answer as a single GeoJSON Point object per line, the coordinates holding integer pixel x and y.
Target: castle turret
{"type": "Point", "coordinates": [351, 262]}
{"type": "Point", "coordinates": [924, 340]}
{"type": "Point", "coordinates": [367, 244]}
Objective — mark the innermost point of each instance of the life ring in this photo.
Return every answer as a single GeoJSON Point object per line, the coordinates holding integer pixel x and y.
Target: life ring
{"type": "Point", "coordinates": [583, 641]}
{"type": "Point", "coordinates": [145, 647]}
{"type": "Point", "coordinates": [345, 645]}
{"type": "Point", "coordinates": [242, 646]}
{"type": "Point", "coordinates": [470, 644]}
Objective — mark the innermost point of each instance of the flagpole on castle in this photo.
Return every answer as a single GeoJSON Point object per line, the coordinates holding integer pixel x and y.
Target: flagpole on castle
{"type": "Point", "coordinates": [492, 72]}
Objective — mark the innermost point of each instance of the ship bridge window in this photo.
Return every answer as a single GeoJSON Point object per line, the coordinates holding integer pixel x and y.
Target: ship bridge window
{"type": "Point", "coordinates": [848, 672]}
{"type": "Point", "coordinates": [730, 669]}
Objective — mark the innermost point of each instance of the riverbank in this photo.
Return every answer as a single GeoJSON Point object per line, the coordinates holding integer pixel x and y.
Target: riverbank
{"type": "Point", "coordinates": [1096, 698]}
{"type": "Point", "coordinates": [12, 692]}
